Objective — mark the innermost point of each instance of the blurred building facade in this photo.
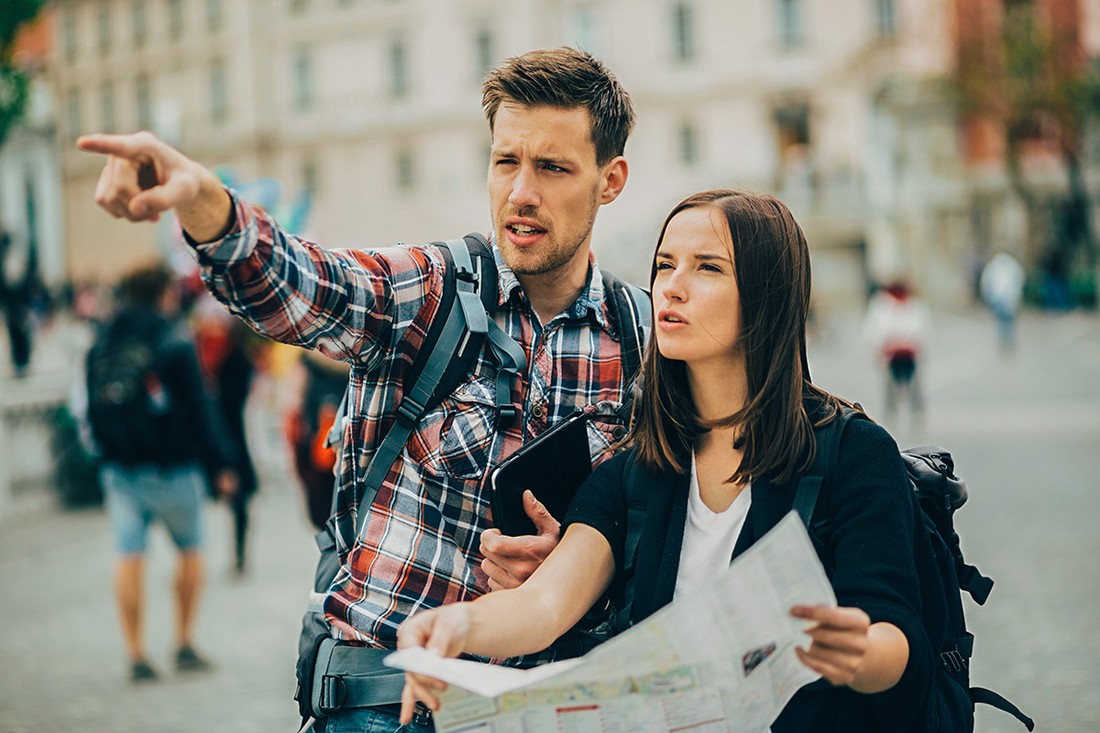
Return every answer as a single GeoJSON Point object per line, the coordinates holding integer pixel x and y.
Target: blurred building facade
{"type": "Point", "coordinates": [373, 106]}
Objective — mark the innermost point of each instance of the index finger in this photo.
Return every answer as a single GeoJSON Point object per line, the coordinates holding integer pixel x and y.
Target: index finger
{"type": "Point", "coordinates": [125, 146]}
{"type": "Point", "coordinates": [832, 616]}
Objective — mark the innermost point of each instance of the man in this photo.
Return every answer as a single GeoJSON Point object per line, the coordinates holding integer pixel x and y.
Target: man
{"type": "Point", "coordinates": [559, 122]}
{"type": "Point", "coordinates": [159, 439]}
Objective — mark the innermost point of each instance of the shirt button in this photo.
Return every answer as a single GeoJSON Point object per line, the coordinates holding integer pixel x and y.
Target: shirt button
{"type": "Point", "coordinates": [538, 412]}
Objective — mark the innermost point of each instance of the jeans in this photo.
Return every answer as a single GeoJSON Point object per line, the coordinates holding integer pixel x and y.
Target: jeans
{"type": "Point", "coordinates": [373, 720]}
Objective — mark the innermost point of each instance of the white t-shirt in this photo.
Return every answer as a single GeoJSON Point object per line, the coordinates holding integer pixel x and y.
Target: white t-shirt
{"type": "Point", "coordinates": [709, 538]}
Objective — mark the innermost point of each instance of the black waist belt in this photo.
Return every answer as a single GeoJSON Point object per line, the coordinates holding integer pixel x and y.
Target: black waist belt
{"type": "Point", "coordinates": [346, 676]}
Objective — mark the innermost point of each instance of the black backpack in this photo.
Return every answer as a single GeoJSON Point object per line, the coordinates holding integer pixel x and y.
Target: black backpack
{"type": "Point", "coordinates": [458, 333]}
{"type": "Point", "coordinates": [939, 492]}
{"type": "Point", "coordinates": [128, 401]}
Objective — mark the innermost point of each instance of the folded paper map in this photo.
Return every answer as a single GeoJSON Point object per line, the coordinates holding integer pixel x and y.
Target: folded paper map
{"type": "Point", "coordinates": [718, 659]}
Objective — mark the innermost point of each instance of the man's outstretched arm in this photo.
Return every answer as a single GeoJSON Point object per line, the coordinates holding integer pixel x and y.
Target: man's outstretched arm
{"type": "Point", "coordinates": [143, 177]}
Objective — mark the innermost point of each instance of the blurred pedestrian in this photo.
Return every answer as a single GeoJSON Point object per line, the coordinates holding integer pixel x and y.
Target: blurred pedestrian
{"type": "Point", "coordinates": [158, 437]}
{"type": "Point", "coordinates": [227, 365]}
{"type": "Point", "coordinates": [18, 285]}
{"type": "Point", "coordinates": [896, 325]}
{"type": "Point", "coordinates": [1002, 286]}
{"type": "Point", "coordinates": [307, 428]}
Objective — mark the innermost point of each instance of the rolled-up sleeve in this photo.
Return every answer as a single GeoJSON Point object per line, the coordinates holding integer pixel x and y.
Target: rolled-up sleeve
{"type": "Point", "coordinates": [351, 305]}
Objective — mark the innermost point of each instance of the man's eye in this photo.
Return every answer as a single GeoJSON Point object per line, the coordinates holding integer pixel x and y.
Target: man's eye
{"type": "Point", "coordinates": [553, 168]}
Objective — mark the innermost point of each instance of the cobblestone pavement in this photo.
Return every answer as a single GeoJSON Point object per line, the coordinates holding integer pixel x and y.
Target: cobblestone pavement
{"type": "Point", "coordinates": [1025, 432]}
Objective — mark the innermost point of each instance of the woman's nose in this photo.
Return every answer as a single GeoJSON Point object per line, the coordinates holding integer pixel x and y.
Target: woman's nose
{"type": "Point", "coordinates": [674, 286]}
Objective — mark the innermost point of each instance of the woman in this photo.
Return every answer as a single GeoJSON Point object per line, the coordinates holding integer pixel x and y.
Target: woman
{"type": "Point", "coordinates": [725, 428]}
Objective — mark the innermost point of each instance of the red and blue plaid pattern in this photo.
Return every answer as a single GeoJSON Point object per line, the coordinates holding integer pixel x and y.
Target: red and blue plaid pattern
{"type": "Point", "coordinates": [419, 545]}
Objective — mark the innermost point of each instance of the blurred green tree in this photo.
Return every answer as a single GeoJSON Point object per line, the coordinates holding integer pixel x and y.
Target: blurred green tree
{"type": "Point", "coordinates": [1021, 66]}
{"type": "Point", "coordinates": [13, 81]}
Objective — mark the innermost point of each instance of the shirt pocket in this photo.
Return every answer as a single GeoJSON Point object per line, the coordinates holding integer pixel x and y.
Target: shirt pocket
{"type": "Point", "coordinates": [606, 427]}
{"type": "Point", "coordinates": [466, 426]}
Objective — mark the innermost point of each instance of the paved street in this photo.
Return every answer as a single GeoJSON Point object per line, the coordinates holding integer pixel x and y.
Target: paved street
{"type": "Point", "coordinates": [1025, 433]}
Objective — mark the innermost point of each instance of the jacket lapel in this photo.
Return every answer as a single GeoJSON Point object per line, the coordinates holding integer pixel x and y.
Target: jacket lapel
{"type": "Point", "coordinates": [770, 503]}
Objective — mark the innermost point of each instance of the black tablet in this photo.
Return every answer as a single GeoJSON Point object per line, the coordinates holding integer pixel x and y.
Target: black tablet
{"type": "Point", "coordinates": [553, 466]}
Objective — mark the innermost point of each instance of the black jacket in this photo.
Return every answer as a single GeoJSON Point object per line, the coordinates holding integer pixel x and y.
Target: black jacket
{"type": "Point", "coordinates": [869, 556]}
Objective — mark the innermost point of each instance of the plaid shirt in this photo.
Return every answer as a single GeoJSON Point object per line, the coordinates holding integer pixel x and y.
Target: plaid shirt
{"type": "Point", "coordinates": [419, 547]}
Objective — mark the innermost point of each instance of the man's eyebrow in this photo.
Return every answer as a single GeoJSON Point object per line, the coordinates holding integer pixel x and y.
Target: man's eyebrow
{"type": "Point", "coordinates": [555, 160]}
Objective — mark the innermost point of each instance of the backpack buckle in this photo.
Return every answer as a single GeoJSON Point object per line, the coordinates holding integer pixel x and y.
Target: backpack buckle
{"type": "Point", "coordinates": [333, 693]}
{"type": "Point", "coordinates": [953, 661]}
{"type": "Point", "coordinates": [408, 412]}
{"type": "Point", "coordinates": [507, 414]}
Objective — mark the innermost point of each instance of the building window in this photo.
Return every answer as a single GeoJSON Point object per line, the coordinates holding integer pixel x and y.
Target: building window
{"type": "Point", "coordinates": [72, 111]}
{"type": "Point", "coordinates": [483, 52]}
{"type": "Point", "coordinates": [792, 122]}
{"type": "Point", "coordinates": [137, 22]}
{"type": "Point", "coordinates": [103, 27]}
{"type": "Point", "coordinates": [405, 170]}
{"type": "Point", "coordinates": [792, 125]}
{"type": "Point", "coordinates": [310, 177]}
{"type": "Point", "coordinates": [583, 30]}
{"type": "Point", "coordinates": [107, 106]}
{"type": "Point", "coordinates": [688, 144]}
{"type": "Point", "coordinates": [302, 80]}
{"type": "Point", "coordinates": [886, 19]}
{"type": "Point", "coordinates": [68, 32]}
{"type": "Point", "coordinates": [399, 68]}
{"type": "Point", "coordinates": [144, 103]}
{"type": "Point", "coordinates": [219, 97]}
{"type": "Point", "coordinates": [175, 19]}
{"type": "Point", "coordinates": [213, 15]}
{"type": "Point", "coordinates": [683, 32]}
{"type": "Point", "coordinates": [789, 12]}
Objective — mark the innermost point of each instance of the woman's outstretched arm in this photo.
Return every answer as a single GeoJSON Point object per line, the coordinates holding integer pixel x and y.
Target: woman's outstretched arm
{"type": "Point", "coordinates": [509, 623]}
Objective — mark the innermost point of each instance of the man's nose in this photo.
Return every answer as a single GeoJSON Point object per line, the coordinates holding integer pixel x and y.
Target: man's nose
{"type": "Point", "coordinates": [524, 189]}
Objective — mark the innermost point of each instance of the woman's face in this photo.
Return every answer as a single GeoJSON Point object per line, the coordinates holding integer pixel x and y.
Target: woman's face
{"type": "Point", "coordinates": [696, 302]}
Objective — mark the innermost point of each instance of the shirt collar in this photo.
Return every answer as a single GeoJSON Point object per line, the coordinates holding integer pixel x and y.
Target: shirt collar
{"type": "Point", "coordinates": [590, 302]}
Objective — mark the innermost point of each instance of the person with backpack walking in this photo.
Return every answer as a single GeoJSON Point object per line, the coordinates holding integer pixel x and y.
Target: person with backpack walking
{"type": "Point", "coordinates": [158, 438]}
{"type": "Point", "coordinates": [726, 427]}
{"type": "Point", "coordinates": [422, 536]}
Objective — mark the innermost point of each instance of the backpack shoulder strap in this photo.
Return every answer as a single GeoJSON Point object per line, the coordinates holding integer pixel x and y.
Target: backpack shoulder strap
{"type": "Point", "coordinates": [450, 348]}
{"type": "Point", "coordinates": [637, 496]}
{"type": "Point", "coordinates": [826, 455]}
{"type": "Point", "coordinates": [633, 313]}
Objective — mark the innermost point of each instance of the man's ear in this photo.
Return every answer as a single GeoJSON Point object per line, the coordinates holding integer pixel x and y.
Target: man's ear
{"type": "Point", "coordinates": [614, 179]}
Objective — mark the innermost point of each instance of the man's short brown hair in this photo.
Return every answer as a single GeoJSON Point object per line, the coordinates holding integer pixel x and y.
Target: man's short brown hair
{"type": "Point", "coordinates": [565, 78]}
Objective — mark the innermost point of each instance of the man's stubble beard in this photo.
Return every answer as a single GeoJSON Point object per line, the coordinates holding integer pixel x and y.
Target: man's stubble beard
{"type": "Point", "coordinates": [551, 258]}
